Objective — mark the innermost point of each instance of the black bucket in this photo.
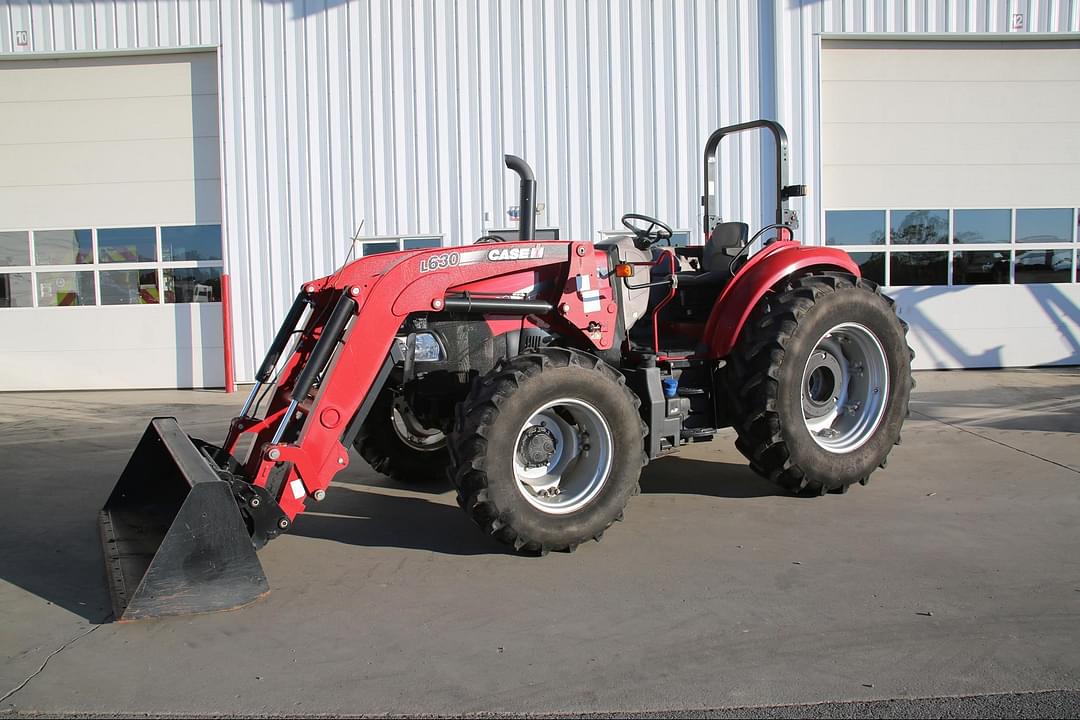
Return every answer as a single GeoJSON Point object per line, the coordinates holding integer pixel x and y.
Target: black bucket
{"type": "Point", "coordinates": [175, 541]}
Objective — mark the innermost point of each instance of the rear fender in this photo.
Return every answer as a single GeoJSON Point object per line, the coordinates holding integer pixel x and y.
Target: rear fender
{"type": "Point", "coordinates": [760, 274]}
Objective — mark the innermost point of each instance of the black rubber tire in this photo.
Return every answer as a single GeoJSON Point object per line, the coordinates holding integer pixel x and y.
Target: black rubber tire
{"type": "Point", "coordinates": [482, 448]}
{"type": "Point", "coordinates": [384, 450]}
{"type": "Point", "coordinates": [765, 381]}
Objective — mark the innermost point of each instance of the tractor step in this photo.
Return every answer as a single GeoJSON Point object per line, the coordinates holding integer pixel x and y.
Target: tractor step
{"type": "Point", "coordinates": [697, 434]}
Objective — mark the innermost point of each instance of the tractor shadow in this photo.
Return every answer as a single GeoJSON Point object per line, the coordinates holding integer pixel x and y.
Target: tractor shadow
{"type": "Point", "coordinates": [378, 512]}
{"type": "Point", "coordinates": [710, 478]}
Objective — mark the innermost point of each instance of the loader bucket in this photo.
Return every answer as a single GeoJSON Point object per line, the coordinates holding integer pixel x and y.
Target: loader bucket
{"type": "Point", "coordinates": [174, 539]}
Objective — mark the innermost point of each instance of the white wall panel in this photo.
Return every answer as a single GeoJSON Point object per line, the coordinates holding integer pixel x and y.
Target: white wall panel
{"type": "Point", "coordinates": [397, 115]}
{"type": "Point", "coordinates": [107, 25]}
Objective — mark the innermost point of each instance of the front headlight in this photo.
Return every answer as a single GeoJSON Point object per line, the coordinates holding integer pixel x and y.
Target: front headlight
{"type": "Point", "coordinates": [426, 347]}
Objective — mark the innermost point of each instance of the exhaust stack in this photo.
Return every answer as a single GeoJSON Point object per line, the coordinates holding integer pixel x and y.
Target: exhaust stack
{"type": "Point", "coordinates": [527, 202]}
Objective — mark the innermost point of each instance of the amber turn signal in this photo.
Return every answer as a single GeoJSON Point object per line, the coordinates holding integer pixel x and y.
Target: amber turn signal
{"type": "Point", "coordinates": [624, 270]}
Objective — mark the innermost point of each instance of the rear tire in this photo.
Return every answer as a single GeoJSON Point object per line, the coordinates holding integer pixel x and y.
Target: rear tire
{"type": "Point", "coordinates": [385, 442]}
{"type": "Point", "coordinates": [547, 450]}
{"type": "Point", "coordinates": [820, 381]}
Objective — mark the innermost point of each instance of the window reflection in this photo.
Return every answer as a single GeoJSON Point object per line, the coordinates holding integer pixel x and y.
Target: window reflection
{"type": "Point", "coordinates": [919, 268]}
{"type": "Point", "coordinates": [65, 289]}
{"type": "Point", "coordinates": [129, 287]}
{"type": "Point", "coordinates": [127, 245]}
{"type": "Point", "coordinates": [1044, 225]}
{"type": "Point", "coordinates": [919, 227]}
{"type": "Point", "coordinates": [982, 226]}
{"type": "Point", "coordinates": [855, 227]}
{"type": "Point", "coordinates": [981, 268]}
{"type": "Point", "coordinates": [195, 242]}
{"type": "Point", "coordinates": [62, 247]}
{"type": "Point", "coordinates": [192, 285]}
{"type": "Point", "coordinates": [14, 248]}
{"type": "Point", "coordinates": [871, 265]}
{"type": "Point", "coordinates": [374, 248]}
{"type": "Point", "coordinates": [1044, 266]}
{"type": "Point", "coordinates": [421, 243]}
{"type": "Point", "coordinates": [15, 290]}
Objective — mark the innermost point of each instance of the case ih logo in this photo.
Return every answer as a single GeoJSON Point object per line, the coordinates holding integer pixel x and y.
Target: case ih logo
{"type": "Point", "coordinates": [526, 253]}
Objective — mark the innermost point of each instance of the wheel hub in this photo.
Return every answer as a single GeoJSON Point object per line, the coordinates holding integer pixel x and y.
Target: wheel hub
{"type": "Point", "coordinates": [537, 447]}
{"type": "Point", "coordinates": [824, 376]}
{"type": "Point", "coordinates": [562, 455]}
{"type": "Point", "coordinates": [845, 388]}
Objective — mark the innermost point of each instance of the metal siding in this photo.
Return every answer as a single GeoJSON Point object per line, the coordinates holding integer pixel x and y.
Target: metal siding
{"type": "Point", "coordinates": [397, 112]}
{"type": "Point", "coordinates": [107, 25]}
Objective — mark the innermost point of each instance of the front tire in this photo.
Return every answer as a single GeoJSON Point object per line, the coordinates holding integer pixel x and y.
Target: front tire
{"type": "Point", "coordinates": [394, 444]}
{"type": "Point", "coordinates": [820, 380]}
{"type": "Point", "coordinates": [547, 450]}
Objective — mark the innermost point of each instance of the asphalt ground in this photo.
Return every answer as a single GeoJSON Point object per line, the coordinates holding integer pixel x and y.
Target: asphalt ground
{"type": "Point", "coordinates": [950, 586]}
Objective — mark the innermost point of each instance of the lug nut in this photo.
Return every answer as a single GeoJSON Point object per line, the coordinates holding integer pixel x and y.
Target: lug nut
{"type": "Point", "coordinates": [320, 495]}
{"type": "Point", "coordinates": [283, 523]}
{"type": "Point", "coordinates": [254, 502]}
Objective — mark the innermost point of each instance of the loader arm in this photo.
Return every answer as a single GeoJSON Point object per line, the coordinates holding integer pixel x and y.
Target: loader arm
{"type": "Point", "coordinates": [343, 354]}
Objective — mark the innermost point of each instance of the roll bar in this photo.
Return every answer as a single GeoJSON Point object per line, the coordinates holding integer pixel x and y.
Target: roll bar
{"type": "Point", "coordinates": [783, 190]}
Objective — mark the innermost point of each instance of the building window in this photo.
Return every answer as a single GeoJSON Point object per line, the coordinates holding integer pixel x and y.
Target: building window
{"type": "Point", "coordinates": [511, 234]}
{"type": "Point", "coordinates": [871, 265]}
{"type": "Point", "coordinates": [855, 227]}
{"type": "Point", "coordinates": [919, 227]}
{"type": "Point", "coordinates": [63, 247]}
{"type": "Point", "coordinates": [986, 227]}
{"type": "Point", "coordinates": [192, 242]}
{"type": "Point", "coordinates": [14, 249]}
{"type": "Point", "coordinates": [110, 266]}
{"type": "Point", "coordinates": [377, 245]}
{"type": "Point", "coordinates": [65, 289]}
{"type": "Point", "coordinates": [962, 246]}
{"type": "Point", "coordinates": [15, 290]}
{"type": "Point", "coordinates": [117, 245]}
{"type": "Point", "coordinates": [1044, 225]}
{"type": "Point", "coordinates": [192, 285]}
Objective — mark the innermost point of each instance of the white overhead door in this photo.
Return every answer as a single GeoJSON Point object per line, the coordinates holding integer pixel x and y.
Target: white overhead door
{"type": "Point", "coordinates": [110, 223]}
{"type": "Point", "coordinates": [951, 171]}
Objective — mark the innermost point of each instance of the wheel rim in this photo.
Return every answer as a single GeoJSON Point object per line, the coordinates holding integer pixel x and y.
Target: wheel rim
{"type": "Point", "coordinates": [412, 433]}
{"type": "Point", "coordinates": [562, 456]}
{"type": "Point", "coordinates": [845, 388]}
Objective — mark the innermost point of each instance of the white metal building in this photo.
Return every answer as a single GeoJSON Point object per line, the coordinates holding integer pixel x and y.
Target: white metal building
{"type": "Point", "coordinates": [151, 146]}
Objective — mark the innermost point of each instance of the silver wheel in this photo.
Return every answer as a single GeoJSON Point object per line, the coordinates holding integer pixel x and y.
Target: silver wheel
{"type": "Point", "coordinates": [562, 456]}
{"type": "Point", "coordinates": [845, 388]}
{"type": "Point", "coordinates": [411, 432]}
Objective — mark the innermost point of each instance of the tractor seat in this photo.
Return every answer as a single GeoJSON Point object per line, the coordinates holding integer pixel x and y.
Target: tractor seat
{"type": "Point", "coordinates": [725, 242]}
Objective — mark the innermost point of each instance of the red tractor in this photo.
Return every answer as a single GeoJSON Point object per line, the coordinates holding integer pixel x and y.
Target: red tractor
{"type": "Point", "coordinates": [540, 377]}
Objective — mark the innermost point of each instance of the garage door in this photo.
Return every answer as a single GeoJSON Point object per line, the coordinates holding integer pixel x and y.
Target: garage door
{"type": "Point", "coordinates": [951, 171]}
{"type": "Point", "coordinates": [110, 223]}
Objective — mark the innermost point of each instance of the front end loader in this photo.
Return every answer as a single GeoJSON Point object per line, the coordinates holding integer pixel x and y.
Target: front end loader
{"type": "Point", "coordinates": [539, 377]}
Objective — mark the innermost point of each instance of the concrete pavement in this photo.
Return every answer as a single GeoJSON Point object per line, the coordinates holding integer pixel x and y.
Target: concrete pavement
{"type": "Point", "coordinates": [955, 572]}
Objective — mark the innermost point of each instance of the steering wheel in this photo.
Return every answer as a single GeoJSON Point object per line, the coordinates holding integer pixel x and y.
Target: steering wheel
{"type": "Point", "coordinates": [654, 232]}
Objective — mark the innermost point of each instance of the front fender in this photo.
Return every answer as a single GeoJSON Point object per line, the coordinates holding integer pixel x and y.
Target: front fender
{"type": "Point", "coordinates": [760, 274]}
